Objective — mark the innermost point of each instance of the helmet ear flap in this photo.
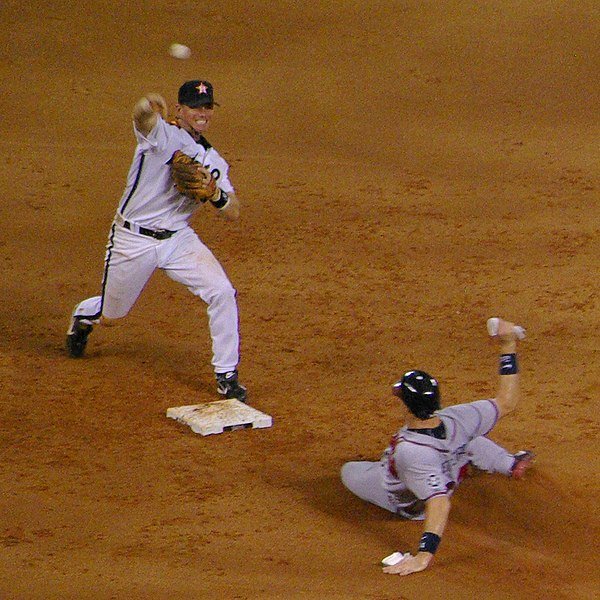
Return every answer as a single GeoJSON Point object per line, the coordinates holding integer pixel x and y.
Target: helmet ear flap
{"type": "Point", "coordinates": [420, 393]}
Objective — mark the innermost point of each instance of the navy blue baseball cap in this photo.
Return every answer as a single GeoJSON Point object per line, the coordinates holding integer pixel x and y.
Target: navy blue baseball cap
{"type": "Point", "coordinates": [196, 93]}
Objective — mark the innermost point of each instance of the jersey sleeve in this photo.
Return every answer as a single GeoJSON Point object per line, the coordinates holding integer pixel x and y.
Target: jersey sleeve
{"type": "Point", "coordinates": [165, 138]}
{"type": "Point", "coordinates": [225, 184]}
{"type": "Point", "coordinates": [219, 169]}
{"type": "Point", "coordinates": [473, 419]}
{"type": "Point", "coordinates": [156, 138]}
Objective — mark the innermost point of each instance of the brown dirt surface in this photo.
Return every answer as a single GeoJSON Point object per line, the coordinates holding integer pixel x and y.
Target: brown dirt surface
{"type": "Point", "coordinates": [407, 169]}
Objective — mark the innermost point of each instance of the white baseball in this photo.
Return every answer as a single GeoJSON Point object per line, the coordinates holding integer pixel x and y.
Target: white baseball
{"type": "Point", "coordinates": [394, 559]}
{"type": "Point", "coordinates": [179, 51]}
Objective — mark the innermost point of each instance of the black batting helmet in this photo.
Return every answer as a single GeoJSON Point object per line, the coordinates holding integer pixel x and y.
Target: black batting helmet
{"type": "Point", "coordinates": [420, 392]}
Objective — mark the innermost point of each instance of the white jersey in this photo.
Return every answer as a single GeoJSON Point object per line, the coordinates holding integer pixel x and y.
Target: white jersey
{"type": "Point", "coordinates": [151, 231]}
{"type": "Point", "coordinates": [150, 199]}
{"type": "Point", "coordinates": [417, 466]}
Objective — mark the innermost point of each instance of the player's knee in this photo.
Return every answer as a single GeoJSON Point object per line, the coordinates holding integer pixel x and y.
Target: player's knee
{"type": "Point", "coordinates": [224, 294]}
{"type": "Point", "coordinates": [114, 309]}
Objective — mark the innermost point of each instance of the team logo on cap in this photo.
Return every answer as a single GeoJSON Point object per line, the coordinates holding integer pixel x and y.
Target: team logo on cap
{"type": "Point", "coordinates": [202, 89]}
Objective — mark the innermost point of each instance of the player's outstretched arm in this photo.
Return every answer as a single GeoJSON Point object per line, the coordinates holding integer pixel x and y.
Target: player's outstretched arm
{"type": "Point", "coordinates": [231, 211]}
{"type": "Point", "coordinates": [146, 112]}
{"type": "Point", "coordinates": [507, 334]}
{"type": "Point", "coordinates": [437, 510]}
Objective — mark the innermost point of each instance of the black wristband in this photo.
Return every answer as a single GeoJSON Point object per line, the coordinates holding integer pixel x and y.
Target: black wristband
{"type": "Point", "coordinates": [508, 364]}
{"type": "Point", "coordinates": [221, 201]}
{"type": "Point", "coordinates": [429, 542]}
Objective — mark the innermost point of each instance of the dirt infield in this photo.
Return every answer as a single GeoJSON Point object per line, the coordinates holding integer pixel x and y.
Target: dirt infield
{"type": "Point", "coordinates": [406, 170]}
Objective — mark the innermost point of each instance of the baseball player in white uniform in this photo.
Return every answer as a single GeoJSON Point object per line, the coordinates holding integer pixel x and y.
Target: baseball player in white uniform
{"type": "Point", "coordinates": [429, 456]}
{"type": "Point", "coordinates": [151, 231]}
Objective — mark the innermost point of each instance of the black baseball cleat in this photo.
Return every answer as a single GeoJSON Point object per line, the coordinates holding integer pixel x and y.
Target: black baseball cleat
{"type": "Point", "coordinates": [77, 337]}
{"type": "Point", "coordinates": [229, 386]}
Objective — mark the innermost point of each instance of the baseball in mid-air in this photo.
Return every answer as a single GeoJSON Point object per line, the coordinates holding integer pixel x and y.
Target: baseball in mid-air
{"type": "Point", "coordinates": [179, 51]}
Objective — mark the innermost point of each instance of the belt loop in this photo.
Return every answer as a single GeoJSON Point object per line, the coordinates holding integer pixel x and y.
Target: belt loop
{"type": "Point", "coordinates": [119, 220]}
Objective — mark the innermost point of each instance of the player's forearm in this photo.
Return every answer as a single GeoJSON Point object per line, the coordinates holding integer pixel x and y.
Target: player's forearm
{"type": "Point", "coordinates": [509, 392]}
{"type": "Point", "coordinates": [437, 510]}
{"type": "Point", "coordinates": [231, 211]}
{"type": "Point", "coordinates": [436, 516]}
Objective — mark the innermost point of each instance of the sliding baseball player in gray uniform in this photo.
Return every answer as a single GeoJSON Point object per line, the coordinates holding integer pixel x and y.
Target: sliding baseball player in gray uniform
{"type": "Point", "coordinates": [151, 231]}
{"type": "Point", "coordinates": [428, 457]}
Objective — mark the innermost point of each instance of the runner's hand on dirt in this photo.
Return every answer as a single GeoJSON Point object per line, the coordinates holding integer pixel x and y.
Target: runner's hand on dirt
{"type": "Point", "coordinates": [411, 564]}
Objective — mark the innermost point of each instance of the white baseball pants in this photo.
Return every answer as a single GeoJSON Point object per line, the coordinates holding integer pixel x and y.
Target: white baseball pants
{"type": "Point", "coordinates": [131, 258]}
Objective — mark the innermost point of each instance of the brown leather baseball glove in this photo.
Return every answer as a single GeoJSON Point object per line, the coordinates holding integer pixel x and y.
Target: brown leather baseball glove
{"type": "Point", "coordinates": [192, 179]}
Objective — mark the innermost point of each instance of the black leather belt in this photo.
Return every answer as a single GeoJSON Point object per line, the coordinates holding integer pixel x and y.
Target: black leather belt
{"type": "Point", "coordinates": [157, 234]}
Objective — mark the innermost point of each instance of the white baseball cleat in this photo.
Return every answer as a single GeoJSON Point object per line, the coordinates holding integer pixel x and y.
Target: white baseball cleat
{"type": "Point", "coordinates": [493, 326]}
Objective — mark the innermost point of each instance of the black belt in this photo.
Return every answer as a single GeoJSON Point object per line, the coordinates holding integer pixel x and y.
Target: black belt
{"type": "Point", "coordinates": [157, 234]}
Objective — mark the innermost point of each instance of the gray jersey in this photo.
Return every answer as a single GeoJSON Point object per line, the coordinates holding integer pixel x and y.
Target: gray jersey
{"type": "Point", "coordinates": [418, 467]}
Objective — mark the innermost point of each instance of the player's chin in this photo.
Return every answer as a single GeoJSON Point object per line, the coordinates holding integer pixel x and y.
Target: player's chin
{"type": "Point", "coordinates": [200, 127]}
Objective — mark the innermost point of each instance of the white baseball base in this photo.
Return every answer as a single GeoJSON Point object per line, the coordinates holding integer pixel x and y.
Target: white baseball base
{"type": "Point", "coordinates": [220, 416]}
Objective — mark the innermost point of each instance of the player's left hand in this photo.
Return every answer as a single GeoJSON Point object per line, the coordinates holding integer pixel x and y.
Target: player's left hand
{"type": "Point", "coordinates": [191, 178]}
{"type": "Point", "coordinates": [410, 564]}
